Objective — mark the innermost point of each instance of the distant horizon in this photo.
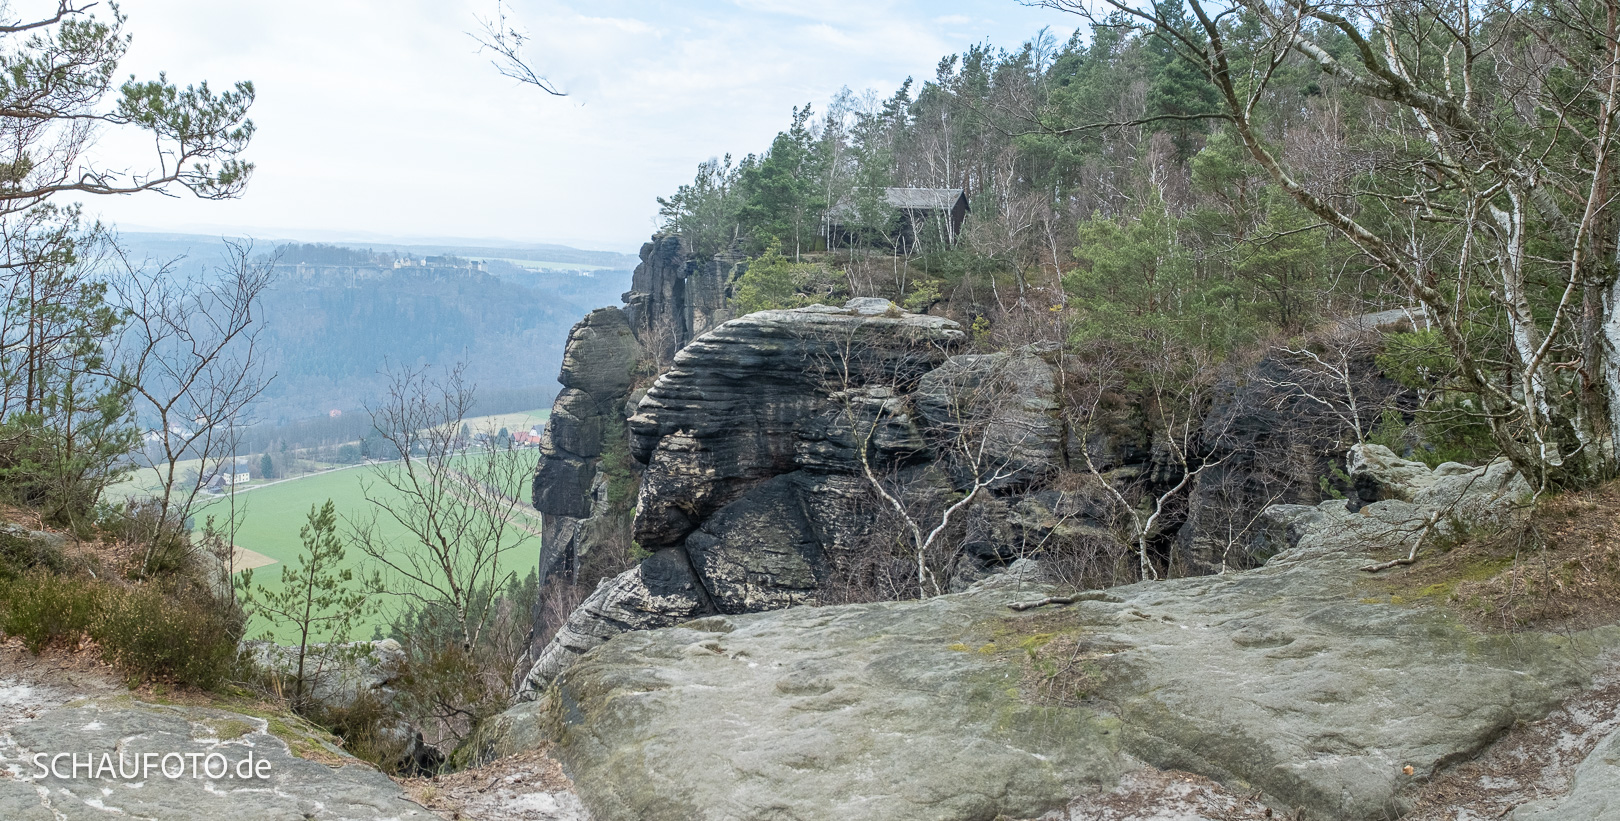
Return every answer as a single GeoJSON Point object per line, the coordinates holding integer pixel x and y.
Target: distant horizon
{"type": "Point", "coordinates": [342, 236]}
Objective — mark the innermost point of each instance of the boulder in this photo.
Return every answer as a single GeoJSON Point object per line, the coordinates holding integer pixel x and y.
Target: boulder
{"type": "Point", "coordinates": [1478, 495]}
{"type": "Point", "coordinates": [759, 552]}
{"type": "Point", "coordinates": [724, 418]}
{"type": "Point", "coordinates": [1379, 474]}
{"type": "Point", "coordinates": [337, 675]}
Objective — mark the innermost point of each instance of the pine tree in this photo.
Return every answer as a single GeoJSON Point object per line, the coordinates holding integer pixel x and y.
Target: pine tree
{"type": "Point", "coordinates": [318, 599]}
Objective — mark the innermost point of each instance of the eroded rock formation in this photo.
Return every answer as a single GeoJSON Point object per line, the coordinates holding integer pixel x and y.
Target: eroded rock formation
{"type": "Point", "coordinates": [750, 473]}
{"type": "Point", "coordinates": [742, 458]}
{"type": "Point", "coordinates": [1291, 685]}
{"type": "Point", "coordinates": [672, 299]}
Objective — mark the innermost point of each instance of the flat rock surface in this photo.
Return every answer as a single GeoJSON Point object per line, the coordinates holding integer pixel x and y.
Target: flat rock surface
{"type": "Point", "coordinates": [70, 705]}
{"type": "Point", "coordinates": [1291, 684]}
{"type": "Point", "coordinates": [287, 788]}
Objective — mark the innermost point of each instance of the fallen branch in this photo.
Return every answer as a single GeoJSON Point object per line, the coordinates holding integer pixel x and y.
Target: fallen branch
{"type": "Point", "coordinates": [1031, 605]}
{"type": "Point", "coordinates": [1091, 595]}
{"type": "Point", "coordinates": [1374, 568]}
{"type": "Point", "coordinates": [1411, 557]}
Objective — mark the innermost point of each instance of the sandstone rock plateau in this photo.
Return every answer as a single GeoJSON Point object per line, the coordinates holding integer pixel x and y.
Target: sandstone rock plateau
{"type": "Point", "coordinates": [1293, 685]}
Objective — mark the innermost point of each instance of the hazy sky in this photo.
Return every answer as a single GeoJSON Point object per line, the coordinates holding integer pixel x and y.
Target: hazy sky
{"type": "Point", "coordinates": [379, 116]}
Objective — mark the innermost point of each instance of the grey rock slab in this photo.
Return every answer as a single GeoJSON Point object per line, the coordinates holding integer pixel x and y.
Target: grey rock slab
{"type": "Point", "coordinates": [861, 711]}
{"type": "Point", "coordinates": [292, 788]}
{"type": "Point", "coordinates": [1289, 680]}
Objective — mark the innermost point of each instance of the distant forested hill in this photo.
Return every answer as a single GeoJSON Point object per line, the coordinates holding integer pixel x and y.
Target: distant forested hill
{"type": "Point", "coordinates": [338, 317]}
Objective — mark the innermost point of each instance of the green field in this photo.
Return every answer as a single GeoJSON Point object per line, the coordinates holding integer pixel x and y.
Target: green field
{"type": "Point", "coordinates": [271, 515]}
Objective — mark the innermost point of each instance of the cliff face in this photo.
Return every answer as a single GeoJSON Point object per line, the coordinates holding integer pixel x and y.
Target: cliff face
{"type": "Point", "coordinates": [672, 299]}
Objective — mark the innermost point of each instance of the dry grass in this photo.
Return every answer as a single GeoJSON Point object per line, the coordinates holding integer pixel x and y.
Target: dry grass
{"type": "Point", "coordinates": [1558, 570]}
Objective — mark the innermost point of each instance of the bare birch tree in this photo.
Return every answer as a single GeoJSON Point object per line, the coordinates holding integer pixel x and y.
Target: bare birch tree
{"type": "Point", "coordinates": [454, 500]}
{"type": "Point", "coordinates": [189, 354]}
{"type": "Point", "coordinates": [1176, 393]}
{"type": "Point", "coordinates": [967, 434]}
{"type": "Point", "coordinates": [1494, 208]}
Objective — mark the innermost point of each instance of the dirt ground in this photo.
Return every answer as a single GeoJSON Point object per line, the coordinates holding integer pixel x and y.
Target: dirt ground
{"type": "Point", "coordinates": [526, 787]}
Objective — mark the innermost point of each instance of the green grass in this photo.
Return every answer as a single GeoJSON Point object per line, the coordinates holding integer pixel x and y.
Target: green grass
{"type": "Point", "coordinates": [271, 516]}
{"type": "Point", "coordinates": [144, 481]}
{"type": "Point", "coordinates": [272, 512]}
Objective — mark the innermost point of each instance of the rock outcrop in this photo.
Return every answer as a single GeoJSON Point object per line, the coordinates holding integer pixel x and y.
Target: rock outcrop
{"type": "Point", "coordinates": [742, 457]}
{"type": "Point", "coordinates": [748, 457]}
{"type": "Point", "coordinates": [672, 299]}
{"type": "Point", "coordinates": [202, 748]}
{"type": "Point", "coordinates": [1265, 442]}
{"type": "Point", "coordinates": [1291, 682]}
{"type": "Point", "coordinates": [596, 378]}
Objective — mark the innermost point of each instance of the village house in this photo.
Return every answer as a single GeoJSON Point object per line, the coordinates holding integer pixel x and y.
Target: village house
{"type": "Point", "coordinates": [238, 472]}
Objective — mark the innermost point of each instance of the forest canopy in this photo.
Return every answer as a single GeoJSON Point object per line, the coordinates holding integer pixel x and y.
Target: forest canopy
{"type": "Point", "coordinates": [1179, 178]}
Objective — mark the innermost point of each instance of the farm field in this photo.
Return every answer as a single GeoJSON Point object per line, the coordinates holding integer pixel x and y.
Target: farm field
{"type": "Point", "coordinates": [272, 514]}
{"type": "Point", "coordinates": [144, 481]}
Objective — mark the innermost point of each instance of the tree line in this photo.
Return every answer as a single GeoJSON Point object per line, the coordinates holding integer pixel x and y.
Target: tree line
{"type": "Point", "coordinates": [1182, 182]}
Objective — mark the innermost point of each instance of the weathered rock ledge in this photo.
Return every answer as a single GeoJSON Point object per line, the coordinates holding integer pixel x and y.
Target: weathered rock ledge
{"type": "Point", "coordinates": [1294, 681]}
{"type": "Point", "coordinates": [291, 789]}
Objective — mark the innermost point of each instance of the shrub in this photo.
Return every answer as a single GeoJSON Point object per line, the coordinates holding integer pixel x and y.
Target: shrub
{"type": "Point", "coordinates": [772, 281]}
{"type": "Point", "coordinates": [187, 636]}
{"type": "Point", "coordinates": [20, 552]}
{"type": "Point", "coordinates": [44, 609]}
{"type": "Point", "coordinates": [173, 632]}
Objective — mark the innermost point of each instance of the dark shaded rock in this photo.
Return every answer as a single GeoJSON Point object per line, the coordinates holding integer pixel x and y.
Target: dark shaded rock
{"type": "Point", "coordinates": [1003, 530]}
{"type": "Point", "coordinates": [759, 552]}
{"type": "Point", "coordinates": [724, 417]}
{"type": "Point", "coordinates": [674, 298]}
{"type": "Point", "coordinates": [577, 423]}
{"type": "Point", "coordinates": [826, 442]}
{"type": "Point", "coordinates": [1274, 446]}
{"type": "Point", "coordinates": [562, 482]}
